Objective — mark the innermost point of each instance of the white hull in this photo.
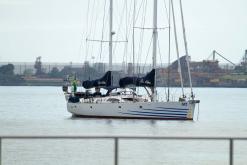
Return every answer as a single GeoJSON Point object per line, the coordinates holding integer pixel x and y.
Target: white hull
{"type": "Point", "coordinates": [149, 110]}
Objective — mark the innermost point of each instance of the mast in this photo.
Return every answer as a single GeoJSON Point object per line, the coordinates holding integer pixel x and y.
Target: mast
{"type": "Point", "coordinates": [186, 48]}
{"type": "Point", "coordinates": [155, 36]}
{"type": "Point", "coordinates": [133, 37]}
{"type": "Point", "coordinates": [169, 54]}
{"type": "Point", "coordinates": [177, 49]}
{"type": "Point", "coordinates": [110, 35]}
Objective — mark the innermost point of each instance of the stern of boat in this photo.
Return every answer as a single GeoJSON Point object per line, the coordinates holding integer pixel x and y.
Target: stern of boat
{"type": "Point", "coordinates": [192, 105]}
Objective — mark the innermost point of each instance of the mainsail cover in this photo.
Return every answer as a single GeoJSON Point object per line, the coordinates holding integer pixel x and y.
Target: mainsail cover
{"type": "Point", "coordinates": [147, 81]}
{"type": "Point", "coordinates": [105, 81]}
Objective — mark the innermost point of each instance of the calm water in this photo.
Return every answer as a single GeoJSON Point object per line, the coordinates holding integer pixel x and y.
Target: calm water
{"type": "Point", "coordinates": [42, 111]}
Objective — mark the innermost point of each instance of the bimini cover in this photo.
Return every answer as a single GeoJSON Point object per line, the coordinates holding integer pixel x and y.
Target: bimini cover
{"type": "Point", "coordinates": [105, 81]}
{"type": "Point", "coordinates": [147, 81]}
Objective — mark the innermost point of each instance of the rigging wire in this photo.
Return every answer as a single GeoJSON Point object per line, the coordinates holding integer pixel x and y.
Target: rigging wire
{"type": "Point", "coordinates": [161, 64]}
{"type": "Point", "coordinates": [94, 31]}
{"type": "Point", "coordinates": [107, 21]}
{"type": "Point", "coordinates": [150, 44]}
{"type": "Point", "coordinates": [103, 29]}
{"type": "Point", "coordinates": [129, 30]}
{"type": "Point", "coordinates": [126, 37]}
{"type": "Point", "coordinates": [133, 37]}
{"type": "Point", "coordinates": [135, 19]}
{"type": "Point", "coordinates": [80, 48]}
{"type": "Point", "coordinates": [150, 28]}
{"type": "Point", "coordinates": [138, 12]}
{"type": "Point", "coordinates": [87, 45]}
{"type": "Point", "coordinates": [142, 33]}
{"type": "Point", "coordinates": [125, 57]}
{"type": "Point", "coordinates": [91, 22]}
{"type": "Point", "coordinates": [121, 22]}
{"type": "Point", "coordinates": [167, 15]}
{"type": "Point", "coordinates": [186, 49]}
{"type": "Point", "coordinates": [119, 28]}
{"type": "Point", "coordinates": [90, 31]}
{"type": "Point", "coordinates": [168, 19]}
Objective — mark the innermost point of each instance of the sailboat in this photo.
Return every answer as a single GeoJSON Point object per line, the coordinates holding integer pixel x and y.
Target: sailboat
{"type": "Point", "coordinates": [121, 101]}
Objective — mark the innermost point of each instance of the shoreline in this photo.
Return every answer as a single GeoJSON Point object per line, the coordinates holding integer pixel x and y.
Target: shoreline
{"type": "Point", "coordinates": [60, 85]}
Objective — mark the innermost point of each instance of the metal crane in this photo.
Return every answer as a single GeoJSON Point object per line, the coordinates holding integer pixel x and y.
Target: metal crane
{"type": "Point", "coordinates": [214, 53]}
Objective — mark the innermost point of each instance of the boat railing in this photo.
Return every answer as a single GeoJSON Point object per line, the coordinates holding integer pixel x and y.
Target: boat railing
{"type": "Point", "coordinates": [116, 140]}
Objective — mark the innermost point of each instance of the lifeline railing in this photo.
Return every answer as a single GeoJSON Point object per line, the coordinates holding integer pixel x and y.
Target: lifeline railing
{"type": "Point", "coordinates": [117, 138]}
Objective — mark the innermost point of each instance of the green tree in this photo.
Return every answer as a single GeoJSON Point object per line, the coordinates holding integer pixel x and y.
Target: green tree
{"type": "Point", "coordinates": [7, 76]}
{"type": "Point", "coordinates": [7, 69]}
{"type": "Point", "coordinates": [55, 72]}
{"type": "Point", "coordinates": [28, 72]}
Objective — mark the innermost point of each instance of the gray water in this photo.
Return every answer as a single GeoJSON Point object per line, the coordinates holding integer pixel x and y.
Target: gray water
{"type": "Point", "coordinates": [42, 111]}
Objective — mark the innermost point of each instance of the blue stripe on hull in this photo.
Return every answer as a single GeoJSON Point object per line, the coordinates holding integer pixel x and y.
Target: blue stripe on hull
{"type": "Point", "coordinates": [184, 109]}
{"type": "Point", "coordinates": [158, 110]}
{"type": "Point", "coordinates": [158, 116]}
{"type": "Point", "coordinates": [155, 113]}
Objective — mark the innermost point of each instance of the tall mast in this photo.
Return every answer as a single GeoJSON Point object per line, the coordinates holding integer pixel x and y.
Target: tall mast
{"type": "Point", "coordinates": [177, 49]}
{"type": "Point", "coordinates": [155, 36]}
{"type": "Point", "coordinates": [169, 54]}
{"type": "Point", "coordinates": [133, 36]}
{"type": "Point", "coordinates": [186, 48]}
{"type": "Point", "coordinates": [110, 35]}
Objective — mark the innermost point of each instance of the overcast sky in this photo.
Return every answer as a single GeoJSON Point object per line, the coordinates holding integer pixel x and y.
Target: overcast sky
{"type": "Point", "coordinates": [55, 29]}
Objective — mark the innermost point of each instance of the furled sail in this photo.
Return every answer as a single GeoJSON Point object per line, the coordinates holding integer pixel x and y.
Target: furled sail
{"type": "Point", "coordinates": [147, 81]}
{"type": "Point", "coordinates": [105, 81]}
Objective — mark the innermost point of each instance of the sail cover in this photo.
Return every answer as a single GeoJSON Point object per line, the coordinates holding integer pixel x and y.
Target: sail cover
{"type": "Point", "coordinates": [105, 81]}
{"type": "Point", "coordinates": [147, 81]}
